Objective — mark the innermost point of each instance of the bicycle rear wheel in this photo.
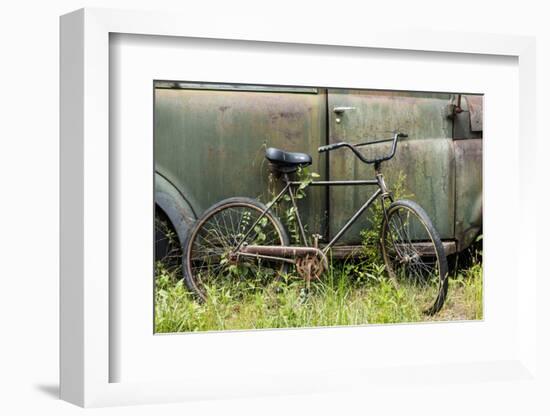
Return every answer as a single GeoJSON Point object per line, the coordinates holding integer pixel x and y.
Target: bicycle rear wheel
{"type": "Point", "coordinates": [414, 254]}
{"type": "Point", "coordinates": [209, 261]}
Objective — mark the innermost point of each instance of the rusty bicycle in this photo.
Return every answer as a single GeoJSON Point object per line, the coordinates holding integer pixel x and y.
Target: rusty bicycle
{"type": "Point", "coordinates": [240, 237]}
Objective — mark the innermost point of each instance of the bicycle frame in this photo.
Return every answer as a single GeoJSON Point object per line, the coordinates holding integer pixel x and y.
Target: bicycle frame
{"type": "Point", "coordinates": [289, 188]}
{"type": "Point", "coordinates": [271, 251]}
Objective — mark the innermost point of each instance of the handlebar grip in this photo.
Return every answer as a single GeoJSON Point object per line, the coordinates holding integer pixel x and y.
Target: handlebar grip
{"type": "Point", "coordinates": [329, 147]}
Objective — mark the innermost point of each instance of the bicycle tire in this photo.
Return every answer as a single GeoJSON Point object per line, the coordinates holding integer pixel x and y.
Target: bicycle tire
{"type": "Point", "coordinates": [403, 250]}
{"type": "Point", "coordinates": [192, 277]}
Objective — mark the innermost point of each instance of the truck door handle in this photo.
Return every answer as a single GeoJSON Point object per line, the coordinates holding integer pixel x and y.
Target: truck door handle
{"type": "Point", "coordinates": [340, 110]}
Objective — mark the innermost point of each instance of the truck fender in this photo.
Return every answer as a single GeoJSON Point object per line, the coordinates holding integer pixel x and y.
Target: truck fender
{"type": "Point", "coordinates": [175, 205]}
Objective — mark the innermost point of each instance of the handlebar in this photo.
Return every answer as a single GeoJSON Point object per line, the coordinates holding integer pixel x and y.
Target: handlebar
{"type": "Point", "coordinates": [354, 147]}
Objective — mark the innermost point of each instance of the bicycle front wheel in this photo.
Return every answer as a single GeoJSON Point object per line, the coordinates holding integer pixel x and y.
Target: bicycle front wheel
{"type": "Point", "coordinates": [210, 260]}
{"type": "Point", "coordinates": [414, 254]}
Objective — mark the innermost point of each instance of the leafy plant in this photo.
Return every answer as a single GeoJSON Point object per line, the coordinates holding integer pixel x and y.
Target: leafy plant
{"type": "Point", "coordinates": [286, 210]}
{"type": "Point", "coordinates": [375, 214]}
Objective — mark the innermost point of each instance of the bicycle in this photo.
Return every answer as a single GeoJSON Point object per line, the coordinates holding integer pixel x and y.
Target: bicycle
{"type": "Point", "coordinates": [240, 237]}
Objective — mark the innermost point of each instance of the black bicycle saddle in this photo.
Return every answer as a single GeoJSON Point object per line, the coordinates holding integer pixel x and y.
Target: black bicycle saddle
{"type": "Point", "coordinates": [287, 161]}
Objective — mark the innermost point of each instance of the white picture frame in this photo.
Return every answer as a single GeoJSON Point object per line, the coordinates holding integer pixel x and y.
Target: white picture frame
{"type": "Point", "coordinates": [86, 351]}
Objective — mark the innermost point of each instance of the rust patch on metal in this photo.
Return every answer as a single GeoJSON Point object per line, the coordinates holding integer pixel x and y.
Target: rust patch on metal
{"type": "Point", "coordinates": [284, 251]}
{"type": "Point", "coordinates": [342, 252]}
{"type": "Point", "coordinates": [310, 261]}
{"type": "Point", "coordinates": [475, 107]}
{"type": "Point", "coordinates": [310, 267]}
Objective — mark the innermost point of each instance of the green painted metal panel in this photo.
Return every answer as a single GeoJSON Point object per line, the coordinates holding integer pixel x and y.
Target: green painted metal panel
{"type": "Point", "coordinates": [212, 142]}
{"type": "Point", "coordinates": [374, 114]}
{"type": "Point", "coordinates": [469, 167]}
{"type": "Point", "coordinates": [425, 158]}
{"type": "Point", "coordinates": [233, 87]}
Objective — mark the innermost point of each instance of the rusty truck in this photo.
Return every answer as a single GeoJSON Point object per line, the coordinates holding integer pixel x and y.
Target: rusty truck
{"type": "Point", "coordinates": [210, 140]}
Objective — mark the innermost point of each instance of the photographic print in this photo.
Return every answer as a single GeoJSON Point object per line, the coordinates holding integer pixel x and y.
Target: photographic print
{"type": "Point", "coordinates": [294, 206]}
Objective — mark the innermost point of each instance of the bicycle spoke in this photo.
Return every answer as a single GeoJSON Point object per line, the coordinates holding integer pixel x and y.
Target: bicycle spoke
{"type": "Point", "coordinates": [411, 255]}
{"type": "Point", "coordinates": [212, 258]}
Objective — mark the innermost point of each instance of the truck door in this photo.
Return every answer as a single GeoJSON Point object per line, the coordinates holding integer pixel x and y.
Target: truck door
{"type": "Point", "coordinates": [425, 158]}
{"type": "Point", "coordinates": [210, 140]}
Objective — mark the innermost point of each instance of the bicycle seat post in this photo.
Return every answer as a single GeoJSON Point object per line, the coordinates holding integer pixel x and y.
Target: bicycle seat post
{"type": "Point", "coordinates": [316, 238]}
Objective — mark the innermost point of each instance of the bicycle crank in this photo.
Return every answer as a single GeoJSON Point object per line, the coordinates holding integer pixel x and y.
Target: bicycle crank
{"type": "Point", "coordinates": [310, 261]}
{"type": "Point", "coordinates": [310, 267]}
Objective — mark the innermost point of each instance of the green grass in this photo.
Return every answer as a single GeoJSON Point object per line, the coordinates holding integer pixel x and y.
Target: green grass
{"type": "Point", "coordinates": [351, 293]}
